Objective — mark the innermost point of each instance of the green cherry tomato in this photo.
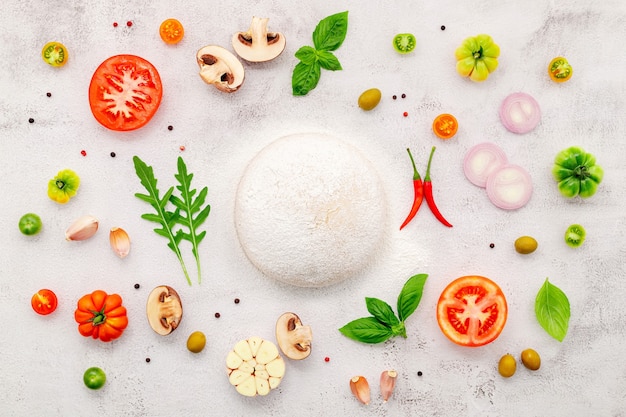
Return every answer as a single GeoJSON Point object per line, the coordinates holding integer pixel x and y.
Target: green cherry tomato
{"type": "Point", "coordinates": [404, 43]}
{"type": "Point", "coordinates": [30, 224]}
{"type": "Point", "coordinates": [575, 235]}
{"type": "Point", "coordinates": [55, 54]}
{"type": "Point", "coordinates": [94, 378]}
{"type": "Point", "coordinates": [477, 57]}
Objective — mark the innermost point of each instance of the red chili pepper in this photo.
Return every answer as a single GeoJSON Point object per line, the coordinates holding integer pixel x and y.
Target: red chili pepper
{"type": "Point", "coordinates": [418, 191]}
{"type": "Point", "coordinates": [428, 193]}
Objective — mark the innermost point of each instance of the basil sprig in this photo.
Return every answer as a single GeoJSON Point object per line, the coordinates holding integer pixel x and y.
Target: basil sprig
{"type": "Point", "coordinates": [384, 324]}
{"type": "Point", "coordinates": [552, 310]}
{"type": "Point", "coordinates": [329, 34]}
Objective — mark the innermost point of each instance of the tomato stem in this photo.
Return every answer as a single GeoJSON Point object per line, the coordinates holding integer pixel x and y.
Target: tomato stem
{"type": "Point", "coordinates": [60, 184]}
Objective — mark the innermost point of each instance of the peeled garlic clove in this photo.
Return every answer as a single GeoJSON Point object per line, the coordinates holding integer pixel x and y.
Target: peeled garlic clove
{"type": "Point", "coordinates": [83, 228]}
{"type": "Point", "coordinates": [360, 388]}
{"type": "Point", "coordinates": [120, 242]}
{"type": "Point", "coordinates": [387, 383]}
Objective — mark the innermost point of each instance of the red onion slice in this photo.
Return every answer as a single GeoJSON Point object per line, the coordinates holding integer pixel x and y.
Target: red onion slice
{"type": "Point", "coordinates": [520, 113]}
{"type": "Point", "coordinates": [481, 160]}
{"type": "Point", "coordinates": [509, 187]}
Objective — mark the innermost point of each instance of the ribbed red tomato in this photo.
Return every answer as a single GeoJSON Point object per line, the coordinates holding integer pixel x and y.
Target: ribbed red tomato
{"type": "Point", "coordinates": [472, 311]}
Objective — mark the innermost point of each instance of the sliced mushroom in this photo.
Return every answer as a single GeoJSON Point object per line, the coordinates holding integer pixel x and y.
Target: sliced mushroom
{"type": "Point", "coordinates": [220, 68]}
{"type": "Point", "coordinates": [164, 310]}
{"type": "Point", "coordinates": [293, 338]}
{"type": "Point", "coordinates": [257, 44]}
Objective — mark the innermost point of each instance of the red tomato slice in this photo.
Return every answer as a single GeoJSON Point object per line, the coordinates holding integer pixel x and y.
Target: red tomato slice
{"type": "Point", "coordinates": [125, 92]}
{"type": "Point", "coordinates": [472, 311]}
{"type": "Point", "coordinates": [44, 302]}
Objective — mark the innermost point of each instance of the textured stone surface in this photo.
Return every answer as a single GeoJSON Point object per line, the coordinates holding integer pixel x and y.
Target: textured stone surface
{"type": "Point", "coordinates": [43, 358]}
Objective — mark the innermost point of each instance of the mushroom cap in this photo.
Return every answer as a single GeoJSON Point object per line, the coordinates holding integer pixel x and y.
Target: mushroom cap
{"type": "Point", "coordinates": [164, 310]}
{"type": "Point", "coordinates": [293, 338]}
{"type": "Point", "coordinates": [257, 44]}
{"type": "Point", "coordinates": [220, 68]}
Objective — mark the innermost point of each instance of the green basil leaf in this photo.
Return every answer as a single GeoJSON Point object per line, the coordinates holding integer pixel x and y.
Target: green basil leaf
{"type": "Point", "coordinates": [328, 61]}
{"type": "Point", "coordinates": [411, 295]}
{"type": "Point", "coordinates": [330, 32]}
{"type": "Point", "coordinates": [366, 330]}
{"type": "Point", "coordinates": [305, 78]}
{"type": "Point", "coordinates": [381, 311]}
{"type": "Point", "coordinates": [552, 310]}
{"type": "Point", "coordinates": [307, 55]}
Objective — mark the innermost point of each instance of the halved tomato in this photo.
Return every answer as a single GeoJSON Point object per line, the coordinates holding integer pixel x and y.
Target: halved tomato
{"type": "Point", "coordinates": [44, 302]}
{"type": "Point", "coordinates": [472, 311]}
{"type": "Point", "coordinates": [171, 31]}
{"type": "Point", "coordinates": [445, 126]}
{"type": "Point", "coordinates": [125, 92]}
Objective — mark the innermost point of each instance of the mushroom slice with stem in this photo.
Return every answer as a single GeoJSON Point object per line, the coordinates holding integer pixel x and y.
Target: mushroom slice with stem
{"type": "Point", "coordinates": [220, 68]}
{"type": "Point", "coordinates": [293, 338]}
{"type": "Point", "coordinates": [257, 44]}
{"type": "Point", "coordinates": [164, 310]}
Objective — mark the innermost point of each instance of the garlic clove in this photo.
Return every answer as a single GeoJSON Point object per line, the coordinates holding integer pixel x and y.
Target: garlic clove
{"type": "Point", "coordinates": [83, 228]}
{"type": "Point", "coordinates": [387, 383]}
{"type": "Point", "coordinates": [361, 389]}
{"type": "Point", "coordinates": [120, 241]}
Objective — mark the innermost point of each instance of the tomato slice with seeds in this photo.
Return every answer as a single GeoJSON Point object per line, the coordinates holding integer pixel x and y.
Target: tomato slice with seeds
{"type": "Point", "coordinates": [472, 311]}
{"type": "Point", "coordinates": [171, 31]}
{"type": "Point", "coordinates": [44, 302]}
{"type": "Point", "coordinates": [560, 70]}
{"type": "Point", "coordinates": [445, 126]}
{"type": "Point", "coordinates": [125, 92]}
{"type": "Point", "coordinates": [55, 54]}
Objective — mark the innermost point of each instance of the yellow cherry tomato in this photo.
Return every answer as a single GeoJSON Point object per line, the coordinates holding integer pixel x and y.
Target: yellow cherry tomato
{"type": "Point", "coordinates": [171, 31]}
{"type": "Point", "coordinates": [55, 54]}
{"type": "Point", "coordinates": [560, 70]}
{"type": "Point", "coordinates": [445, 126]}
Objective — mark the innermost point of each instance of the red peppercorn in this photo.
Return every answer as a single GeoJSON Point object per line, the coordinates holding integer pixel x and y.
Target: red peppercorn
{"type": "Point", "coordinates": [83, 152]}
{"type": "Point", "coordinates": [326, 359]}
{"type": "Point", "coordinates": [182, 147]}
{"type": "Point", "coordinates": [405, 114]}
{"type": "Point", "coordinates": [129, 23]}
{"type": "Point", "coordinates": [114, 24]}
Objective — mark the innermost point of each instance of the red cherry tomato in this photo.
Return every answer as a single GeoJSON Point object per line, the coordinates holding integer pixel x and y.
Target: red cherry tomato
{"type": "Point", "coordinates": [445, 126]}
{"type": "Point", "coordinates": [44, 302]}
{"type": "Point", "coordinates": [125, 92]}
{"type": "Point", "coordinates": [472, 311]}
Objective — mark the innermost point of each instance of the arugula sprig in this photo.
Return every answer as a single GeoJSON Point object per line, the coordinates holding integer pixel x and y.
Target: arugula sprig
{"type": "Point", "coordinates": [175, 226]}
{"type": "Point", "coordinates": [384, 324]}
{"type": "Point", "coordinates": [328, 36]}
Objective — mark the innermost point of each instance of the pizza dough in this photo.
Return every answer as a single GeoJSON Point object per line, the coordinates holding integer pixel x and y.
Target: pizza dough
{"type": "Point", "coordinates": [310, 210]}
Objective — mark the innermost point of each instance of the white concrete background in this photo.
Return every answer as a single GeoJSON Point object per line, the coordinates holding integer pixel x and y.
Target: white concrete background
{"type": "Point", "coordinates": [43, 358]}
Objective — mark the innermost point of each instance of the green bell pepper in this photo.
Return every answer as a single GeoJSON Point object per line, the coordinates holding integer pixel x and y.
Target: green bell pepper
{"type": "Point", "coordinates": [576, 172]}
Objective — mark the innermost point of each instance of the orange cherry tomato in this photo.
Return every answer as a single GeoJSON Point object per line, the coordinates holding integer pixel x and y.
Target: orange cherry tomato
{"type": "Point", "coordinates": [445, 126]}
{"type": "Point", "coordinates": [44, 302]}
{"type": "Point", "coordinates": [171, 31]}
{"type": "Point", "coordinates": [472, 311]}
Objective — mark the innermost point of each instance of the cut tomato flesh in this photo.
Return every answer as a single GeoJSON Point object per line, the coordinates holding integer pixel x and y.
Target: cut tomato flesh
{"type": "Point", "coordinates": [472, 311]}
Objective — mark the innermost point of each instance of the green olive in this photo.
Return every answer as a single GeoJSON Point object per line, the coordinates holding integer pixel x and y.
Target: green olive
{"type": "Point", "coordinates": [507, 365]}
{"type": "Point", "coordinates": [369, 99]}
{"type": "Point", "coordinates": [531, 359]}
{"type": "Point", "coordinates": [196, 342]}
{"type": "Point", "coordinates": [525, 245]}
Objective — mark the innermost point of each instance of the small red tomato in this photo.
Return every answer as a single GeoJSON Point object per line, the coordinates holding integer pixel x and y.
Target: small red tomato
{"type": "Point", "coordinates": [44, 302]}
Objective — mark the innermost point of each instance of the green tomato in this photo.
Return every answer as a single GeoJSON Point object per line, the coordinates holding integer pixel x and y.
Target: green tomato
{"type": "Point", "coordinates": [404, 42]}
{"type": "Point", "coordinates": [576, 173]}
{"type": "Point", "coordinates": [94, 378]}
{"type": "Point", "coordinates": [575, 235]}
{"type": "Point", "coordinates": [30, 224]}
{"type": "Point", "coordinates": [64, 186]}
{"type": "Point", "coordinates": [477, 57]}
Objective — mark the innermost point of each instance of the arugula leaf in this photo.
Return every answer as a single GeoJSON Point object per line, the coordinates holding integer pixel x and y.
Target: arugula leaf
{"type": "Point", "coordinates": [381, 311]}
{"type": "Point", "coordinates": [552, 310]}
{"type": "Point", "coordinates": [166, 219]}
{"type": "Point", "coordinates": [384, 324]}
{"type": "Point", "coordinates": [367, 330]}
{"type": "Point", "coordinates": [305, 78]}
{"type": "Point", "coordinates": [187, 205]}
{"type": "Point", "coordinates": [411, 295]}
{"type": "Point", "coordinates": [328, 61]}
{"type": "Point", "coordinates": [331, 31]}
